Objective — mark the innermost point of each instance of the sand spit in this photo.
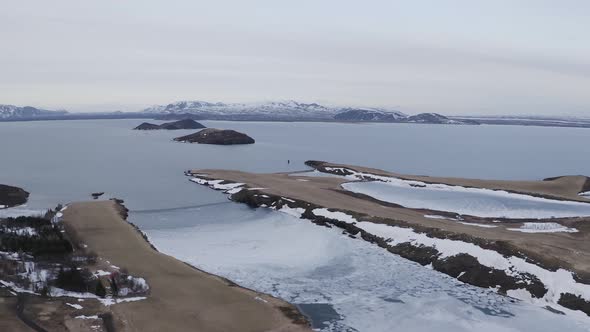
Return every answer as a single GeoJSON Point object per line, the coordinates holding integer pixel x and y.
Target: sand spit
{"type": "Point", "coordinates": [181, 297]}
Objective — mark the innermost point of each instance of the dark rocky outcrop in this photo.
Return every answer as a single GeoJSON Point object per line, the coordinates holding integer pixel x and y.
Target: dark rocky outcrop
{"type": "Point", "coordinates": [574, 302]}
{"type": "Point", "coordinates": [12, 196]}
{"type": "Point", "coordinates": [176, 125]}
{"type": "Point", "coordinates": [97, 194]}
{"type": "Point", "coordinates": [217, 136]}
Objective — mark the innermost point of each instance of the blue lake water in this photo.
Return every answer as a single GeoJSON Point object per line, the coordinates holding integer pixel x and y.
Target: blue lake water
{"type": "Point", "coordinates": [64, 161]}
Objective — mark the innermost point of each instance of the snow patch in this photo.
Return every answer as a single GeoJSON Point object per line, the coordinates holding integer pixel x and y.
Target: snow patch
{"type": "Point", "coordinates": [334, 215]}
{"type": "Point", "coordinates": [75, 306]}
{"type": "Point", "coordinates": [434, 216]}
{"type": "Point", "coordinates": [295, 212]}
{"type": "Point", "coordinates": [86, 317]}
{"type": "Point", "coordinates": [543, 227]}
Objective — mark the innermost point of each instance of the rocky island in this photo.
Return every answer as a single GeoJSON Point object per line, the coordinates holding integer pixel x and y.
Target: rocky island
{"type": "Point", "coordinates": [217, 136]}
{"type": "Point", "coordinates": [176, 125]}
{"type": "Point", "coordinates": [12, 196]}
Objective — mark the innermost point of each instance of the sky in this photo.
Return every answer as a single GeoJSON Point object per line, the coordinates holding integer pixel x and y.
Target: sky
{"type": "Point", "coordinates": [456, 57]}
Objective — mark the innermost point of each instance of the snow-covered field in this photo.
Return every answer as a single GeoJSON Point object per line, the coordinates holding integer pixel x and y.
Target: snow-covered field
{"type": "Point", "coordinates": [371, 289]}
{"type": "Point", "coordinates": [544, 227]}
{"type": "Point", "coordinates": [21, 210]}
{"type": "Point", "coordinates": [468, 201]}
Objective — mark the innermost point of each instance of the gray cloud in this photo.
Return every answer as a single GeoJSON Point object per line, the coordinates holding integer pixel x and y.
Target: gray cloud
{"type": "Point", "coordinates": [456, 57]}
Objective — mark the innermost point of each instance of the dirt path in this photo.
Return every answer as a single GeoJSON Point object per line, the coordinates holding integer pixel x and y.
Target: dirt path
{"type": "Point", "coordinates": [181, 298]}
{"type": "Point", "coordinates": [568, 250]}
{"type": "Point", "coordinates": [9, 320]}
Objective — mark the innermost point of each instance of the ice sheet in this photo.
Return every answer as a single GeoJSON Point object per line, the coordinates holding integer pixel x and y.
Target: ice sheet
{"type": "Point", "coordinates": [370, 288]}
{"type": "Point", "coordinates": [469, 201]}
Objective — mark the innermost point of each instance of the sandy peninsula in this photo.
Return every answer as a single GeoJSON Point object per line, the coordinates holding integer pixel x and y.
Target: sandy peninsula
{"type": "Point", "coordinates": [181, 297]}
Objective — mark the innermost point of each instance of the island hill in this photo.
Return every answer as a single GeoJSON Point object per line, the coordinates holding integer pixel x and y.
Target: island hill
{"type": "Point", "coordinates": [217, 136]}
{"type": "Point", "coordinates": [12, 196]}
{"type": "Point", "coordinates": [176, 125]}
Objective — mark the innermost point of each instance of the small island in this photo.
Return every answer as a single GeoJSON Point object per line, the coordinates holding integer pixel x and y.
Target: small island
{"type": "Point", "coordinates": [176, 125]}
{"type": "Point", "coordinates": [12, 196]}
{"type": "Point", "coordinates": [217, 136]}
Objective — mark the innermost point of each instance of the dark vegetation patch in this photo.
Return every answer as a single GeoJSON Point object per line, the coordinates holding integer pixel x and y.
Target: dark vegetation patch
{"type": "Point", "coordinates": [45, 238]}
{"type": "Point", "coordinates": [39, 254]}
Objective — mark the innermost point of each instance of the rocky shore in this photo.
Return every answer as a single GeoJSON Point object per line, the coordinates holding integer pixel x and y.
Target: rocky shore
{"type": "Point", "coordinates": [12, 196]}
{"type": "Point", "coordinates": [518, 270]}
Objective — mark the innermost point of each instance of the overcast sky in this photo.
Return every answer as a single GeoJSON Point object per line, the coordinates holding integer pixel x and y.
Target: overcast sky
{"type": "Point", "coordinates": [452, 57]}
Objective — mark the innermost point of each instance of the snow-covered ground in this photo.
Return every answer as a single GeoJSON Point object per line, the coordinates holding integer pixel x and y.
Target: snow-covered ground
{"type": "Point", "coordinates": [371, 289]}
{"type": "Point", "coordinates": [21, 210]}
{"type": "Point", "coordinates": [544, 227]}
{"type": "Point", "coordinates": [468, 201]}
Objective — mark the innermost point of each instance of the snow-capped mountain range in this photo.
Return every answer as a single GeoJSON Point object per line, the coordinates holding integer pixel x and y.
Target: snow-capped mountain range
{"type": "Point", "coordinates": [288, 110]}
{"type": "Point", "coordinates": [271, 110]}
{"type": "Point", "coordinates": [25, 112]}
{"type": "Point", "coordinates": [268, 111]}
{"type": "Point", "coordinates": [291, 110]}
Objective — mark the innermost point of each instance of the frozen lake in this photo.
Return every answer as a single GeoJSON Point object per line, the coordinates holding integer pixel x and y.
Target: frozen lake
{"type": "Point", "coordinates": [368, 288]}
{"type": "Point", "coordinates": [318, 268]}
{"type": "Point", "coordinates": [469, 201]}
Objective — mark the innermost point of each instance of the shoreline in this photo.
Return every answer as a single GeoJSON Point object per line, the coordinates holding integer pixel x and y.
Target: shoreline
{"type": "Point", "coordinates": [181, 297]}
{"type": "Point", "coordinates": [551, 252]}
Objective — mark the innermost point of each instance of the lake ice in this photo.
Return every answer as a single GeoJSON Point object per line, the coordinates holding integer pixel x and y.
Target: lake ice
{"type": "Point", "coordinates": [372, 289]}
{"type": "Point", "coordinates": [468, 201]}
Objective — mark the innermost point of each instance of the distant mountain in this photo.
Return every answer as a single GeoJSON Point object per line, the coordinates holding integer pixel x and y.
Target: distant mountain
{"type": "Point", "coordinates": [369, 114]}
{"type": "Point", "coordinates": [176, 125]}
{"type": "Point", "coordinates": [379, 115]}
{"type": "Point", "coordinates": [290, 111]}
{"type": "Point", "coordinates": [11, 112]}
{"type": "Point", "coordinates": [542, 121]}
{"type": "Point", "coordinates": [287, 110]}
{"type": "Point", "coordinates": [435, 118]}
